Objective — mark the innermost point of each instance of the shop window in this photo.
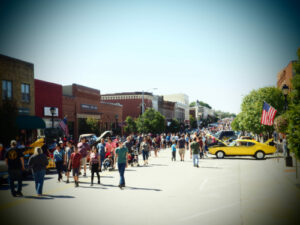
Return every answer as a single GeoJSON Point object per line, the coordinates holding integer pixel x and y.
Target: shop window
{"type": "Point", "coordinates": [6, 89]}
{"type": "Point", "coordinates": [25, 90]}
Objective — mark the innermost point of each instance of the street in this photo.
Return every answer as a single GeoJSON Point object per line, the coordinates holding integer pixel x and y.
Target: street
{"type": "Point", "coordinates": [226, 191]}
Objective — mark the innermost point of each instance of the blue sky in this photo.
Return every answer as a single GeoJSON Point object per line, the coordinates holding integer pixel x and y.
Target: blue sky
{"type": "Point", "coordinates": [214, 51]}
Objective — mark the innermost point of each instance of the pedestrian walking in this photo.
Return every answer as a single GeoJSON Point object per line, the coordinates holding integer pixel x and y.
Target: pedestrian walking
{"type": "Point", "coordinates": [83, 149]}
{"type": "Point", "coordinates": [195, 150]}
{"type": "Point", "coordinates": [15, 162]}
{"type": "Point", "coordinates": [284, 146]}
{"type": "Point", "coordinates": [75, 164]}
{"type": "Point", "coordinates": [69, 150]}
{"type": "Point", "coordinates": [122, 159]}
{"type": "Point", "coordinates": [95, 164]}
{"type": "Point", "coordinates": [181, 146]}
{"type": "Point", "coordinates": [101, 151]}
{"type": "Point", "coordinates": [173, 149]}
{"type": "Point", "coordinates": [38, 163]}
{"type": "Point", "coordinates": [145, 150]}
{"type": "Point", "coordinates": [58, 156]}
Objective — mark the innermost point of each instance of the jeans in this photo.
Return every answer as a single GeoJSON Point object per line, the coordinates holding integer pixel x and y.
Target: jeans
{"type": "Point", "coordinates": [196, 159]}
{"type": "Point", "coordinates": [174, 155]}
{"type": "Point", "coordinates": [121, 167]}
{"type": "Point", "coordinates": [145, 155]}
{"type": "Point", "coordinates": [95, 170]}
{"type": "Point", "coordinates": [59, 168]}
{"type": "Point", "coordinates": [15, 175]}
{"type": "Point", "coordinates": [39, 181]}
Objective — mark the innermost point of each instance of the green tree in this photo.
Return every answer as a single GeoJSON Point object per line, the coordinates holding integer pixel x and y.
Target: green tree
{"type": "Point", "coordinates": [173, 126]}
{"type": "Point", "coordinates": [250, 117]}
{"type": "Point", "coordinates": [8, 126]}
{"type": "Point", "coordinates": [151, 122]}
{"type": "Point", "coordinates": [193, 122]}
{"type": "Point", "coordinates": [237, 123]}
{"type": "Point", "coordinates": [89, 125]}
{"type": "Point", "coordinates": [130, 125]}
{"type": "Point", "coordinates": [281, 123]}
{"type": "Point", "coordinates": [192, 104]}
{"type": "Point", "coordinates": [294, 111]}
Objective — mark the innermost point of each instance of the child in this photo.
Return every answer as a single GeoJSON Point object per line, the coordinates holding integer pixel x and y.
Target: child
{"type": "Point", "coordinates": [95, 165]}
{"type": "Point", "coordinates": [173, 147]}
{"type": "Point", "coordinates": [76, 164]}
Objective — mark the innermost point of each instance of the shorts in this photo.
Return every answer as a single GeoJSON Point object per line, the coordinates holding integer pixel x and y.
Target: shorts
{"type": "Point", "coordinates": [75, 172]}
{"type": "Point", "coordinates": [181, 151]}
{"type": "Point", "coordinates": [83, 161]}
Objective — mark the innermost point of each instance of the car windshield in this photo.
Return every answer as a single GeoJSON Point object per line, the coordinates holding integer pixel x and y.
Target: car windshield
{"type": "Point", "coordinates": [232, 143]}
{"type": "Point", "coordinates": [217, 135]}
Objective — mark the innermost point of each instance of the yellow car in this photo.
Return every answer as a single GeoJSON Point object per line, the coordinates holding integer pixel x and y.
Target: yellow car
{"type": "Point", "coordinates": [243, 148]}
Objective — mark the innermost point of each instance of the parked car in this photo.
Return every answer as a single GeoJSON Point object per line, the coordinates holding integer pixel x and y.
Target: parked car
{"type": "Point", "coordinates": [244, 148]}
{"type": "Point", "coordinates": [90, 138]}
{"type": "Point", "coordinates": [225, 135]}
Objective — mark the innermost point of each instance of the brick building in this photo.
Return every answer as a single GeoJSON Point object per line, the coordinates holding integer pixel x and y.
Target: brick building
{"type": "Point", "coordinates": [48, 95]}
{"type": "Point", "coordinates": [285, 76]}
{"type": "Point", "coordinates": [111, 117]}
{"type": "Point", "coordinates": [131, 102]}
{"type": "Point", "coordinates": [79, 103]}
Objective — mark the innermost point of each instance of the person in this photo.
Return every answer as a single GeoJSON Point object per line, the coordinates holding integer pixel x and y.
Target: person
{"type": "Point", "coordinates": [122, 159]}
{"type": "Point", "coordinates": [187, 141]}
{"type": "Point", "coordinates": [110, 151]}
{"type": "Point", "coordinates": [95, 164]}
{"type": "Point", "coordinates": [15, 162]}
{"type": "Point", "coordinates": [75, 164]}
{"type": "Point", "coordinates": [181, 146]}
{"type": "Point", "coordinates": [2, 151]}
{"type": "Point", "coordinates": [284, 146]}
{"type": "Point", "coordinates": [58, 156]}
{"type": "Point", "coordinates": [145, 150]}
{"type": "Point", "coordinates": [173, 148]}
{"type": "Point", "coordinates": [195, 150]}
{"type": "Point", "coordinates": [83, 149]}
{"type": "Point", "coordinates": [69, 151]}
{"type": "Point", "coordinates": [101, 151]}
{"type": "Point", "coordinates": [38, 163]}
{"type": "Point", "coordinates": [155, 147]}
{"type": "Point", "coordinates": [168, 141]}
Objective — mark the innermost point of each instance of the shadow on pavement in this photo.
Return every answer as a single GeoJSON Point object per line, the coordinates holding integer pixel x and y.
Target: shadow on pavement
{"type": "Point", "coordinates": [48, 197]}
{"type": "Point", "coordinates": [96, 186]}
{"type": "Point", "coordinates": [210, 167]}
{"type": "Point", "coordinates": [133, 188]}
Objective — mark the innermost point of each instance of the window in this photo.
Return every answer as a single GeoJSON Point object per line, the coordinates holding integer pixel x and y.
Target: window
{"type": "Point", "coordinates": [6, 89]}
{"type": "Point", "coordinates": [25, 92]}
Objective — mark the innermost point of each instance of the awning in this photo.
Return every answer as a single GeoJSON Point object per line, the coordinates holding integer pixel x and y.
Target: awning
{"type": "Point", "coordinates": [30, 122]}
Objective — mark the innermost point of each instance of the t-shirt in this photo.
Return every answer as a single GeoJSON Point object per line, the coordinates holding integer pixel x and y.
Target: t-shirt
{"type": "Point", "coordinates": [69, 152]}
{"type": "Point", "coordinates": [83, 149]}
{"type": "Point", "coordinates": [108, 147]}
{"type": "Point", "coordinates": [195, 147]}
{"type": "Point", "coordinates": [168, 138]}
{"type": "Point", "coordinates": [58, 156]}
{"type": "Point", "coordinates": [13, 156]}
{"type": "Point", "coordinates": [173, 148]}
{"type": "Point", "coordinates": [38, 162]}
{"type": "Point", "coordinates": [75, 158]}
{"type": "Point", "coordinates": [122, 154]}
{"type": "Point", "coordinates": [144, 146]}
{"type": "Point", "coordinates": [101, 149]}
{"type": "Point", "coordinates": [94, 158]}
{"type": "Point", "coordinates": [181, 143]}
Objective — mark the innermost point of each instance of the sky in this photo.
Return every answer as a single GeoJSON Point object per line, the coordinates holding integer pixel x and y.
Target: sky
{"type": "Point", "coordinates": [215, 51]}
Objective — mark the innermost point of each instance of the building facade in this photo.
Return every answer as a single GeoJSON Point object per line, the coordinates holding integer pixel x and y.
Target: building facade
{"type": "Point", "coordinates": [80, 103]}
{"type": "Point", "coordinates": [285, 76]}
{"type": "Point", "coordinates": [48, 95]}
{"type": "Point", "coordinates": [182, 101]}
{"type": "Point", "coordinates": [17, 83]}
{"type": "Point", "coordinates": [131, 102]}
{"type": "Point", "coordinates": [111, 117]}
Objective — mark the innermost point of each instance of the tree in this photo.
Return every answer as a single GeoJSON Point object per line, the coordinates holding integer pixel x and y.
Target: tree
{"type": "Point", "coordinates": [151, 122]}
{"type": "Point", "coordinates": [130, 125]}
{"type": "Point", "coordinates": [294, 112]}
{"type": "Point", "coordinates": [192, 104]}
{"type": "Point", "coordinates": [173, 126]}
{"type": "Point", "coordinates": [193, 122]}
{"type": "Point", "coordinates": [8, 126]}
{"type": "Point", "coordinates": [249, 118]}
{"type": "Point", "coordinates": [89, 125]}
{"type": "Point", "coordinates": [281, 123]}
{"type": "Point", "coordinates": [221, 115]}
{"type": "Point", "coordinates": [237, 123]}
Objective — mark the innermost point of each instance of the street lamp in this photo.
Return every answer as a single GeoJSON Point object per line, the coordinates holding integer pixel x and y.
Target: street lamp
{"type": "Point", "coordinates": [143, 106]}
{"type": "Point", "coordinates": [52, 110]}
{"type": "Point", "coordinates": [288, 159]}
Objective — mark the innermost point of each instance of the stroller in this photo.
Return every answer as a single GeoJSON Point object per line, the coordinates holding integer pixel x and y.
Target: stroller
{"type": "Point", "coordinates": [133, 157]}
{"type": "Point", "coordinates": [108, 162]}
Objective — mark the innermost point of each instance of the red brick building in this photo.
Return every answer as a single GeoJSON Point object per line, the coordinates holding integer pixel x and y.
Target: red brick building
{"type": "Point", "coordinates": [285, 76]}
{"type": "Point", "coordinates": [48, 95]}
{"type": "Point", "coordinates": [80, 102]}
{"type": "Point", "coordinates": [131, 102]}
{"type": "Point", "coordinates": [111, 117]}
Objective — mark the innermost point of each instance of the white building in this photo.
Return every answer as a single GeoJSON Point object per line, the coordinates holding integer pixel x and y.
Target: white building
{"type": "Point", "coordinates": [182, 103]}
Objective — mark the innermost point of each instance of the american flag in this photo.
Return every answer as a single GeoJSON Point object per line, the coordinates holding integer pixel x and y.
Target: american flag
{"type": "Point", "coordinates": [268, 114]}
{"type": "Point", "coordinates": [64, 125]}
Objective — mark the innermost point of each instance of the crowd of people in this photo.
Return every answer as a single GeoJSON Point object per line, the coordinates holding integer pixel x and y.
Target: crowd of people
{"type": "Point", "coordinates": [74, 158]}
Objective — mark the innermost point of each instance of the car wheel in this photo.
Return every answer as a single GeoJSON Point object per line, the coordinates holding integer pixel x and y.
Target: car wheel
{"type": "Point", "coordinates": [220, 154]}
{"type": "Point", "coordinates": [259, 155]}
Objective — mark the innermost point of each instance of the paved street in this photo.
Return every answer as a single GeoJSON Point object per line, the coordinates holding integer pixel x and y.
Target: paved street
{"type": "Point", "coordinates": [229, 191]}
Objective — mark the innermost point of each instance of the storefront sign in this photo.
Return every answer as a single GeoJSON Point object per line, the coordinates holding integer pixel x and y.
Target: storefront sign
{"type": "Point", "coordinates": [89, 107]}
{"type": "Point", "coordinates": [47, 111]}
